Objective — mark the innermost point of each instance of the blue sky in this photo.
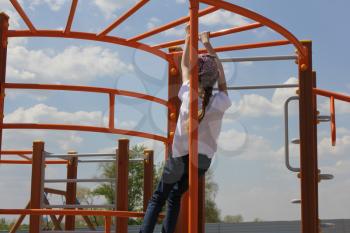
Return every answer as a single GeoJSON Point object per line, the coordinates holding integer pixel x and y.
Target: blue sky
{"type": "Point", "coordinates": [249, 166]}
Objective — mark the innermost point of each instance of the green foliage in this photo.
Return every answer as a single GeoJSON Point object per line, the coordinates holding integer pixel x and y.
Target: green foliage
{"type": "Point", "coordinates": [212, 212]}
{"type": "Point", "coordinates": [233, 219]}
{"type": "Point", "coordinates": [135, 189]}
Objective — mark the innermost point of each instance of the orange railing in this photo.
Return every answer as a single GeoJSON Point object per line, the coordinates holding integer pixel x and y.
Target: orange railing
{"type": "Point", "coordinates": [111, 92]}
{"type": "Point", "coordinates": [332, 96]}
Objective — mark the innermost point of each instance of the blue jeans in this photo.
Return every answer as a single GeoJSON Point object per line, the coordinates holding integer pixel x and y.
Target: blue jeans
{"type": "Point", "coordinates": [173, 183]}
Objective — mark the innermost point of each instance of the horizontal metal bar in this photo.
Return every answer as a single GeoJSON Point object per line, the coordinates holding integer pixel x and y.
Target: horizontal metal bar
{"type": "Point", "coordinates": [296, 201]}
{"type": "Point", "coordinates": [79, 206]}
{"type": "Point", "coordinates": [327, 225]}
{"type": "Point", "coordinates": [106, 160]}
{"type": "Point", "coordinates": [265, 58]}
{"type": "Point", "coordinates": [296, 141]}
{"type": "Point", "coordinates": [78, 180]}
{"type": "Point", "coordinates": [326, 176]}
{"type": "Point", "coordinates": [48, 155]}
{"type": "Point", "coordinates": [77, 230]}
{"type": "Point", "coordinates": [254, 87]}
{"type": "Point", "coordinates": [322, 118]}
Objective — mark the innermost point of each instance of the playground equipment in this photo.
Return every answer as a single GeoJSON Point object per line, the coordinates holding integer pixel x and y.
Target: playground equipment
{"type": "Point", "coordinates": [192, 208]}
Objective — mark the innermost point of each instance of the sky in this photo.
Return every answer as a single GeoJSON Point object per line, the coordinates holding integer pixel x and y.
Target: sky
{"type": "Point", "coordinates": [249, 165]}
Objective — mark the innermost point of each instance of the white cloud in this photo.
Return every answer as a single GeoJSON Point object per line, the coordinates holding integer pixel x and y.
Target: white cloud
{"type": "Point", "coordinates": [180, 1]}
{"type": "Point", "coordinates": [178, 32]}
{"type": "Point", "coordinates": [224, 18]}
{"type": "Point", "coordinates": [108, 7]}
{"type": "Point", "coordinates": [42, 113]}
{"type": "Point", "coordinates": [74, 64]}
{"type": "Point", "coordinates": [54, 5]}
{"type": "Point", "coordinates": [153, 22]}
{"type": "Point", "coordinates": [254, 105]}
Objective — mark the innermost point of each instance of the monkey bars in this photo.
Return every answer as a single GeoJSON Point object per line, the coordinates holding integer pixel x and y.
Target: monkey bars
{"type": "Point", "coordinates": [194, 221]}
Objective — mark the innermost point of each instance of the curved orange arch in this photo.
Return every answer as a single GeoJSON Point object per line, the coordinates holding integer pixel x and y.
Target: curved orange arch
{"type": "Point", "coordinates": [89, 36]}
{"type": "Point", "coordinates": [261, 19]}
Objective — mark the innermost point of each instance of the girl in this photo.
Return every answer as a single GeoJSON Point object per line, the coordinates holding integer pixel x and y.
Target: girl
{"type": "Point", "coordinates": [174, 180]}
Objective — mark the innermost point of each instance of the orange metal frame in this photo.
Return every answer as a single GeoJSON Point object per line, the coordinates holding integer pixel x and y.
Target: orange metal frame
{"type": "Point", "coordinates": [307, 96]}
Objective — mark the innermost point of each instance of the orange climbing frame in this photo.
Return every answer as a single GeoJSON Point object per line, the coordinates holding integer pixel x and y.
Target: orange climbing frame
{"type": "Point", "coordinates": [308, 124]}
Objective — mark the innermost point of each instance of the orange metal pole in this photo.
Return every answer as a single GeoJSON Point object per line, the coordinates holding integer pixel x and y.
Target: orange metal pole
{"type": "Point", "coordinates": [213, 34]}
{"type": "Point", "coordinates": [172, 24]}
{"type": "Point", "coordinates": [71, 193]}
{"type": "Point", "coordinates": [147, 177]}
{"type": "Point", "coordinates": [122, 18]}
{"type": "Point", "coordinates": [26, 162]}
{"type": "Point", "coordinates": [71, 16]}
{"type": "Point", "coordinates": [84, 128]}
{"type": "Point", "coordinates": [333, 127]}
{"type": "Point", "coordinates": [108, 221]}
{"type": "Point", "coordinates": [193, 123]}
{"type": "Point", "coordinates": [308, 151]}
{"type": "Point", "coordinates": [58, 87]}
{"type": "Point", "coordinates": [37, 187]}
{"type": "Point", "coordinates": [4, 24]}
{"type": "Point", "coordinates": [122, 183]}
{"type": "Point", "coordinates": [88, 36]}
{"type": "Point", "coordinates": [21, 12]}
{"type": "Point", "coordinates": [111, 110]}
{"type": "Point", "coordinates": [16, 152]}
{"type": "Point", "coordinates": [336, 95]}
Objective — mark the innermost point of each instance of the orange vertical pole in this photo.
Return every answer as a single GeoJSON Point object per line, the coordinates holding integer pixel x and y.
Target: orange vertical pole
{"type": "Point", "coordinates": [308, 144]}
{"type": "Point", "coordinates": [108, 221]}
{"type": "Point", "coordinates": [122, 183]}
{"type": "Point", "coordinates": [71, 193]}
{"type": "Point", "coordinates": [193, 115]}
{"type": "Point", "coordinates": [111, 110]}
{"type": "Point", "coordinates": [147, 177]}
{"type": "Point", "coordinates": [4, 25]}
{"type": "Point", "coordinates": [174, 84]}
{"type": "Point", "coordinates": [333, 126]}
{"type": "Point", "coordinates": [37, 187]}
{"type": "Point", "coordinates": [314, 85]}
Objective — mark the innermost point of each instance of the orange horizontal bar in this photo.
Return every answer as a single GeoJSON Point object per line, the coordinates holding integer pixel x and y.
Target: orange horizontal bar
{"type": "Point", "coordinates": [121, 214]}
{"type": "Point", "coordinates": [246, 46]}
{"type": "Point", "coordinates": [336, 95]}
{"type": "Point", "coordinates": [89, 36]}
{"type": "Point", "coordinates": [122, 18]}
{"type": "Point", "coordinates": [24, 162]}
{"type": "Point", "coordinates": [84, 128]}
{"type": "Point", "coordinates": [71, 16]}
{"type": "Point", "coordinates": [24, 16]}
{"type": "Point", "coordinates": [59, 87]}
{"type": "Point", "coordinates": [16, 152]}
{"type": "Point", "coordinates": [172, 24]}
{"type": "Point", "coordinates": [213, 34]}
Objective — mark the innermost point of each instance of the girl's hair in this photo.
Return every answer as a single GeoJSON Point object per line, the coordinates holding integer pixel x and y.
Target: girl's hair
{"type": "Point", "coordinates": [208, 75]}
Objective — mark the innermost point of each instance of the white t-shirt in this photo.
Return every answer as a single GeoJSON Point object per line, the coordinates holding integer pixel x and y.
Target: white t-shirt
{"type": "Point", "coordinates": [209, 128]}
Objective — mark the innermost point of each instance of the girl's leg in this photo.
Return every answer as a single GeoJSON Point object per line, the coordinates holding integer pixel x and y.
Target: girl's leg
{"type": "Point", "coordinates": [174, 199]}
{"type": "Point", "coordinates": [172, 173]}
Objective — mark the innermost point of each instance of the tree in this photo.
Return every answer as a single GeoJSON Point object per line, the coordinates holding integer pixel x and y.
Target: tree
{"type": "Point", "coordinates": [233, 219]}
{"type": "Point", "coordinates": [212, 212]}
{"type": "Point", "coordinates": [135, 189]}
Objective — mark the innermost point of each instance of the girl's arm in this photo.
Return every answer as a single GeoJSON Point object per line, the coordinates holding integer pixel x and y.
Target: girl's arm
{"type": "Point", "coordinates": [185, 62]}
{"type": "Point", "coordinates": [204, 36]}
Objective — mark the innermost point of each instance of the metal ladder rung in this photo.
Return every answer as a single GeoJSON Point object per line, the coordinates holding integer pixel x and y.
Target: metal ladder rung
{"type": "Point", "coordinates": [79, 206]}
{"type": "Point", "coordinates": [324, 118]}
{"type": "Point", "coordinates": [326, 177]}
{"type": "Point", "coordinates": [327, 225]}
{"type": "Point", "coordinates": [296, 141]}
{"type": "Point", "coordinates": [296, 201]}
